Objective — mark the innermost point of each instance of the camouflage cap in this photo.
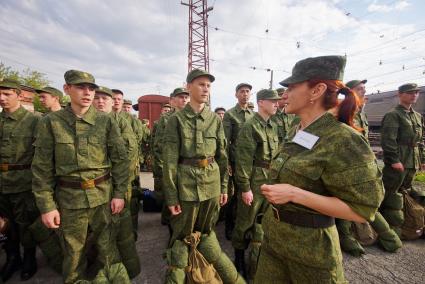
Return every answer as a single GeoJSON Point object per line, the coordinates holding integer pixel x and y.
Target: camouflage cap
{"type": "Point", "coordinates": [354, 83]}
{"type": "Point", "coordinates": [104, 90]}
{"type": "Point", "coordinates": [240, 85]}
{"type": "Point", "coordinates": [75, 77]}
{"type": "Point", "coordinates": [321, 68]}
{"type": "Point", "coordinates": [51, 91]}
{"type": "Point", "coordinates": [280, 91]}
{"type": "Point", "coordinates": [195, 73]}
{"type": "Point", "coordinates": [267, 94]}
{"type": "Point", "coordinates": [166, 105]}
{"type": "Point", "coordinates": [409, 87]}
{"type": "Point", "coordinates": [10, 84]}
{"type": "Point", "coordinates": [128, 102]}
{"type": "Point", "coordinates": [179, 91]}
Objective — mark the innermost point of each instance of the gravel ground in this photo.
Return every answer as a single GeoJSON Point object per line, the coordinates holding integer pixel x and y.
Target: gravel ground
{"type": "Point", "coordinates": [376, 266]}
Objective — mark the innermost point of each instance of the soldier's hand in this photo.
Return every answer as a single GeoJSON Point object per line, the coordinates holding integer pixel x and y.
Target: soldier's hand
{"type": "Point", "coordinates": [247, 197]}
{"type": "Point", "coordinates": [223, 199]}
{"type": "Point", "coordinates": [51, 219]}
{"type": "Point", "coordinates": [175, 209]}
{"type": "Point", "coordinates": [398, 167]}
{"type": "Point", "coordinates": [117, 205]}
{"type": "Point", "coordinates": [278, 193]}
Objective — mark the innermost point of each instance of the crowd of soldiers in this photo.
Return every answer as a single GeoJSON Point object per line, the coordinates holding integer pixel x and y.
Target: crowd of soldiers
{"type": "Point", "coordinates": [294, 182]}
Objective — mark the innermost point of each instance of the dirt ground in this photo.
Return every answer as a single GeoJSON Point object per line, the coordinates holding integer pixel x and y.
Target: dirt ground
{"type": "Point", "coordinates": [376, 266]}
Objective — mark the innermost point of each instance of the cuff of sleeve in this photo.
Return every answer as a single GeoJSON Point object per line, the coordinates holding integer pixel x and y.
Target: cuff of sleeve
{"type": "Point", "coordinates": [171, 201]}
{"type": "Point", "coordinates": [46, 208]}
{"type": "Point", "coordinates": [119, 195]}
{"type": "Point", "coordinates": [244, 187]}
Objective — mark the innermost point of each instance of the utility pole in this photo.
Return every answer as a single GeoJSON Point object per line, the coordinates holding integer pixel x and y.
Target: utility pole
{"type": "Point", "coordinates": [198, 55]}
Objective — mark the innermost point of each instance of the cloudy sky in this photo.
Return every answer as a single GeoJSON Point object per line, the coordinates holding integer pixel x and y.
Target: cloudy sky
{"type": "Point", "coordinates": [141, 46]}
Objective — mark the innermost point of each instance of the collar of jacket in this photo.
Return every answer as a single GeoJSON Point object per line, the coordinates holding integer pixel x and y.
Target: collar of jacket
{"type": "Point", "coordinates": [400, 107]}
{"type": "Point", "coordinates": [239, 109]}
{"type": "Point", "coordinates": [262, 121]}
{"type": "Point", "coordinates": [89, 116]}
{"type": "Point", "coordinates": [16, 115]}
{"type": "Point", "coordinates": [188, 111]}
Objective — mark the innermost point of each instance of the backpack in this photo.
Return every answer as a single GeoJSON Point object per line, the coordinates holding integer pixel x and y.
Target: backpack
{"type": "Point", "coordinates": [413, 226]}
{"type": "Point", "coordinates": [364, 233]}
{"type": "Point", "coordinates": [199, 269]}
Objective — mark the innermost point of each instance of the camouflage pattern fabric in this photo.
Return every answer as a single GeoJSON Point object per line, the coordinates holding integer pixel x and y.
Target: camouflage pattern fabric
{"type": "Point", "coordinates": [360, 120]}
{"type": "Point", "coordinates": [284, 122]}
{"type": "Point", "coordinates": [326, 169]}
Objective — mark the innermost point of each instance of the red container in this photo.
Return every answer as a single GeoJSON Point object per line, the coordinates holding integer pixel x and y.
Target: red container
{"type": "Point", "coordinates": [150, 107]}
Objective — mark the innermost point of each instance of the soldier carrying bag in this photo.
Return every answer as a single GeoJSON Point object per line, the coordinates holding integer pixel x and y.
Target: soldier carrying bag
{"type": "Point", "coordinates": [199, 269]}
{"type": "Point", "coordinates": [413, 226]}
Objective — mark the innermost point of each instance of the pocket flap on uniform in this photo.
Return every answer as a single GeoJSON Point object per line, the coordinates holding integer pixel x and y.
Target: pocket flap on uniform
{"type": "Point", "coordinates": [277, 164]}
{"type": "Point", "coordinates": [311, 170]}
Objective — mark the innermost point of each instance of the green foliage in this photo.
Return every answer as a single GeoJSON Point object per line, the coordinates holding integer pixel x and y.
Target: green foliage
{"type": "Point", "coordinates": [27, 77]}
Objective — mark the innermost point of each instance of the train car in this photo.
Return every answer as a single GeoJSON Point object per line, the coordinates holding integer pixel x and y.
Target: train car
{"type": "Point", "coordinates": [379, 104]}
{"type": "Point", "coordinates": [149, 107]}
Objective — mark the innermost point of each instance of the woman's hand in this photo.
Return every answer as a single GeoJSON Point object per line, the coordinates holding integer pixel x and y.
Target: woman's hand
{"type": "Point", "coordinates": [278, 193]}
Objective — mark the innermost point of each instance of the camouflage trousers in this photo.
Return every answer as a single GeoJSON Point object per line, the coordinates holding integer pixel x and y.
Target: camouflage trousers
{"type": "Point", "coordinates": [76, 225]}
{"type": "Point", "coordinates": [21, 210]}
{"type": "Point", "coordinates": [276, 269]}
{"type": "Point", "coordinates": [392, 205]}
{"type": "Point", "coordinates": [195, 216]}
{"type": "Point", "coordinates": [246, 218]}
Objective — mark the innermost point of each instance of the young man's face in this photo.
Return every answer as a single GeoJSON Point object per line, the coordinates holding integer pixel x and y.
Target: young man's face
{"type": "Point", "coordinates": [243, 95]}
{"type": "Point", "coordinates": [268, 106]}
{"type": "Point", "coordinates": [81, 95]}
{"type": "Point", "coordinates": [103, 102]}
{"type": "Point", "coordinates": [126, 108]}
{"type": "Point", "coordinates": [220, 113]}
{"type": "Point", "coordinates": [408, 98]}
{"type": "Point", "coordinates": [47, 100]}
{"type": "Point", "coordinates": [199, 89]}
{"type": "Point", "coordinates": [9, 98]}
{"type": "Point", "coordinates": [118, 101]}
{"type": "Point", "coordinates": [165, 110]}
{"type": "Point", "coordinates": [180, 101]}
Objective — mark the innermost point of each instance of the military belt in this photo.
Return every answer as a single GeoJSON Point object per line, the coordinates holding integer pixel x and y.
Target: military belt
{"type": "Point", "coordinates": [303, 219]}
{"type": "Point", "coordinates": [13, 167]}
{"type": "Point", "coordinates": [262, 164]}
{"type": "Point", "coordinates": [84, 184]}
{"type": "Point", "coordinates": [200, 163]}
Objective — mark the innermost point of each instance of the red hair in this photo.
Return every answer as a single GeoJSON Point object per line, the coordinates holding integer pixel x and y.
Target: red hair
{"type": "Point", "coordinates": [347, 108]}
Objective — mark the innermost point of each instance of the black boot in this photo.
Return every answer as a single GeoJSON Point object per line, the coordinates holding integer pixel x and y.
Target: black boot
{"type": "Point", "coordinates": [240, 262]}
{"type": "Point", "coordinates": [29, 265]}
{"type": "Point", "coordinates": [13, 264]}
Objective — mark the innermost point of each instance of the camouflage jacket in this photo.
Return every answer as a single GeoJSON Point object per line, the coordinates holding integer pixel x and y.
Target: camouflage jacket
{"type": "Point", "coordinates": [327, 169]}
{"type": "Point", "coordinates": [159, 140]}
{"type": "Point", "coordinates": [360, 120]}
{"type": "Point", "coordinates": [284, 122]}
{"type": "Point", "coordinates": [233, 120]}
{"type": "Point", "coordinates": [401, 137]}
{"type": "Point", "coordinates": [257, 143]}
{"type": "Point", "coordinates": [194, 136]}
{"type": "Point", "coordinates": [17, 134]}
{"type": "Point", "coordinates": [78, 149]}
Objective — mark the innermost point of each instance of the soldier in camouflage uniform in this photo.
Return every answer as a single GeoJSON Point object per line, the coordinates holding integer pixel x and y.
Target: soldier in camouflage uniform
{"type": "Point", "coordinates": [316, 179]}
{"type": "Point", "coordinates": [17, 134]}
{"type": "Point", "coordinates": [123, 229]}
{"type": "Point", "coordinates": [282, 119]}
{"type": "Point", "coordinates": [127, 106]}
{"type": "Point", "coordinates": [401, 140]}
{"type": "Point", "coordinates": [50, 98]}
{"type": "Point", "coordinates": [80, 175]}
{"type": "Point", "coordinates": [178, 99]}
{"type": "Point", "coordinates": [142, 135]}
{"type": "Point", "coordinates": [387, 238]}
{"type": "Point", "coordinates": [256, 146]}
{"type": "Point", "coordinates": [195, 171]}
{"type": "Point", "coordinates": [233, 120]}
{"type": "Point", "coordinates": [220, 111]}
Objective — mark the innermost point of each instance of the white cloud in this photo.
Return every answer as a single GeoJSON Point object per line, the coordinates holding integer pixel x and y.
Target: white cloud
{"type": "Point", "coordinates": [399, 6]}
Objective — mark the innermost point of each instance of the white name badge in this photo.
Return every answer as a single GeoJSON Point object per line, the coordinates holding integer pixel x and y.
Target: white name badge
{"type": "Point", "coordinates": [305, 139]}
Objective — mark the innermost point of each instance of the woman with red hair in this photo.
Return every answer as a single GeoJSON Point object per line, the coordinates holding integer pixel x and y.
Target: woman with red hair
{"type": "Point", "coordinates": [326, 171]}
